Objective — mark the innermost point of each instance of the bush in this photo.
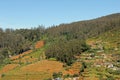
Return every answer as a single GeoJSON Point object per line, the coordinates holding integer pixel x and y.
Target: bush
{"type": "Point", "coordinates": [84, 65]}
{"type": "Point", "coordinates": [115, 72]}
{"type": "Point", "coordinates": [110, 78]}
{"type": "Point", "coordinates": [2, 75]}
{"type": "Point", "coordinates": [65, 51]}
{"type": "Point", "coordinates": [7, 61]}
{"type": "Point", "coordinates": [66, 76]}
{"type": "Point", "coordinates": [75, 75]}
{"type": "Point", "coordinates": [82, 69]}
{"type": "Point", "coordinates": [56, 75]}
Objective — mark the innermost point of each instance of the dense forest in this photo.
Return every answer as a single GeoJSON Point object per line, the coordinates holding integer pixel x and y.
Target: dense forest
{"type": "Point", "coordinates": [13, 42]}
{"type": "Point", "coordinates": [65, 40]}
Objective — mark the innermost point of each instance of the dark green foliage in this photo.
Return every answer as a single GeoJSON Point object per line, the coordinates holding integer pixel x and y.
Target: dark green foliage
{"type": "Point", "coordinates": [2, 75]}
{"type": "Point", "coordinates": [65, 51]}
{"type": "Point", "coordinates": [85, 29]}
{"type": "Point", "coordinates": [33, 34]}
{"type": "Point", "coordinates": [110, 78]}
{"type": "Point", "coordinates": [83, 67]}
{"type": "Point", "coordinates": [114, 72]}
{"type": "Point", "coordinates": [67, 76]}
{"type": "Point", "coordinates": [13, 42]}
{"type": "Point", "coordinates": [56, 75]}
{"type": "Point", "coordinates": [3, 54]}
{"type": "Point", "coordinates": [75, 75]}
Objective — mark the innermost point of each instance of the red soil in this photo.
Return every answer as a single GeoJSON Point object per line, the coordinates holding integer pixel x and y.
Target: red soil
{"type": "Point", "coordinates": [39, 44]}
{"type": "Point", "coordinates": [74, 69]}
{"type": "Point", "coordinates": [20, 55]}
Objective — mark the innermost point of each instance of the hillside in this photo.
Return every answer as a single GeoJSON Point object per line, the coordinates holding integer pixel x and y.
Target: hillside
{"type": "Point", "coordinates": [109, 39]}
{"type": "Point", "coordinates": [85, 29]}
{"type": "Point", "coordinates": [104, 55]}
{"type": "Point", "coordinates": [66, 51]}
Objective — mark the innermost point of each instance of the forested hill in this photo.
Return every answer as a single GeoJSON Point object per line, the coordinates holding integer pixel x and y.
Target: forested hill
{"type": "Point", "coordinates": [13, 42]}
{"type": "Point", "coordinates": [68, 40]}
{"type": "Point", "coordinates": [88, 28]}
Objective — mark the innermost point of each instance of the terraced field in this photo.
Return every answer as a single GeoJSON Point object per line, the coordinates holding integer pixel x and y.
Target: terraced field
{"type": "Point", "coordinates": [36, 71]}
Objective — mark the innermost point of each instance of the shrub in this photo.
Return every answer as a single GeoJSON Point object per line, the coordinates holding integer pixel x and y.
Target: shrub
{"type": "Point", "coordinates": [110, 78]}
{"type": "Point", "coordinates": [75, 75]}
{"type": "Point", "coordinates": [7, 61]}
{"type": "Point", "coordinates": [2, 75]}
{"type": "Point", "coordinates": [66, 76]}
{"type": "Point", "coordinates": [82, 69]}
{"type": "Point", "coordinates": [56, 75]}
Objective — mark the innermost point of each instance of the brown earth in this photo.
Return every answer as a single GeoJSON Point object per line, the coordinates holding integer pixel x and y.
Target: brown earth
{"type": "Point", "coordinates": [39, 44]}
{"type": "Point", "coordinates": [25, 59]}
{"type": "Point", "coordinates": [74, 69]}
{"type": "Point", "coordinates": [8, 67]}
{"type": "Point", "coordinates": [92, 43]}
{"type": "Point", "coordinates": [20, 55]}
{"type": "Point", "coordinates": [44, 66]}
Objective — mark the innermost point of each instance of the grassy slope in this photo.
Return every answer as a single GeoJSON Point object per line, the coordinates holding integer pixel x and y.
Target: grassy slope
{"type": "Point", "coordinates": [38, 68]}
{"type": "Point", "coordinates": [15, 73]}
{"type": "Point", "coordinates": [111, 42]}
{"type": "Point", "coordinates": [18, 74]}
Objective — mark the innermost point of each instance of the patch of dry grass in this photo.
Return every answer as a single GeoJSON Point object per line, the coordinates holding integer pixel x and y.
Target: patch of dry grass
{"type": "Point", "coordinates": [44, 66]}
{"type": "Point", "coordinates": [21, 55]}
{"type": "Point", "coordinates": [8, 67]}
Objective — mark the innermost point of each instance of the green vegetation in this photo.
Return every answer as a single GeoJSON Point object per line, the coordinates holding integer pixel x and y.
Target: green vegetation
{"type": "Point", "coordinates": [65, 51]}
{"type": "Point", "coordinates": [14, 42]}
{"type": "Point", "coordinates": [94, 43]}
{"type": "Point", "coordinates": [57, 75]}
